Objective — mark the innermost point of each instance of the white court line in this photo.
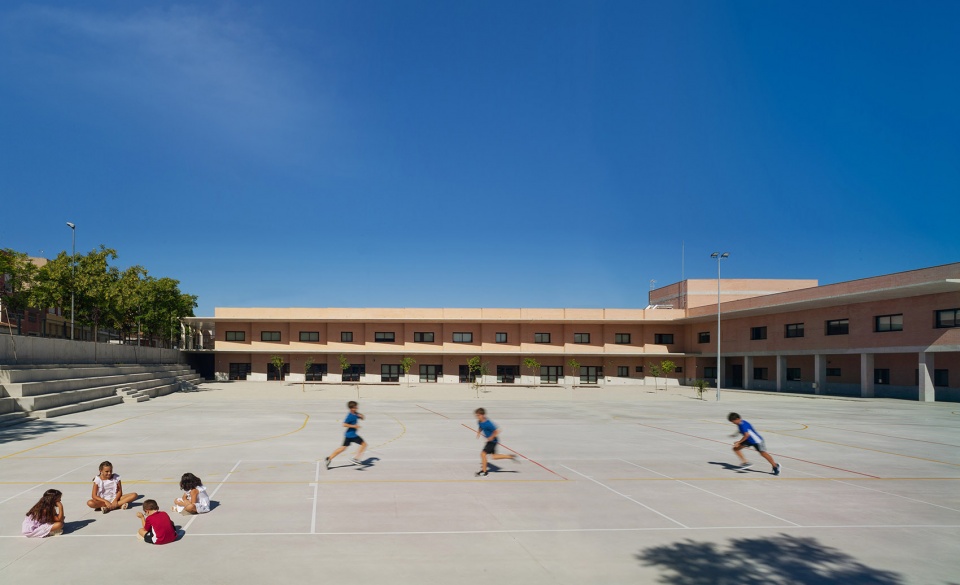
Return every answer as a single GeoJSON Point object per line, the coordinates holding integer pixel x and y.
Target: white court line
{"type": "Point", "coordinates": [878, 491]}
{"type": "Point", "coordinates": [628, 497]}
{"type": "Point", "coordinates": [316, 490]}
{"type": "Point", "coordinates": [711, 493]}
{"type": "Point", "coordinates": [527, 531]}
{"type": "Point", "coordinates": [46, 482]}
{"type": "Point", "coordinates": [222, 481]}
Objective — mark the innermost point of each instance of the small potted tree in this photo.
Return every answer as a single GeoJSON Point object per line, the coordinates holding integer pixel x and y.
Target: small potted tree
{"type": "Point", "coordinates": [534, 366]}
{"type": "Point", "coordinates": [574, 372]}
{"type": "Point", "coordinates": [405, 364]}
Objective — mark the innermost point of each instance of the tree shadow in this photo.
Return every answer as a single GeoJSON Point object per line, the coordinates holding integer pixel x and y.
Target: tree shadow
{"type": "Point", "coordinates": [776, 560]}
{"type": "Point", "coordinates": [33, 428]}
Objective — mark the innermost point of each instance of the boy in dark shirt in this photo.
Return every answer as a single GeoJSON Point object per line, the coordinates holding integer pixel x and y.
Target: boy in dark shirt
{"type": "Point", "coordinates": [750, 438]}
{"type": "Point", "coordinates": [490, 431]}
{"type": "Point", "coordinates": [351, 436]}
{"type": "Point", "coordinates": [157, 527]}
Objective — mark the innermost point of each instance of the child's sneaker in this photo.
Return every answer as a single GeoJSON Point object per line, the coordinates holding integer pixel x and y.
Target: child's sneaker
{"type": "Point", "coordinates": [326, 462]}
{"type": "Point", "coordinates": [356, 461]}
{"type": "Point", "coordinates": [104, 509]}
{"type": "Point", "coordinates": [776, 470]}
{"type": "Point", "coordinates": [746, 466]}
{"type": "Point", "coordinates": [480, 474]}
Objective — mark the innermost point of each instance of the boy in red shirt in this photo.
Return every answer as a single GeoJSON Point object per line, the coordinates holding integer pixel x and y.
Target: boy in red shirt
{"type": "Point", "coordinates": [157, 527]}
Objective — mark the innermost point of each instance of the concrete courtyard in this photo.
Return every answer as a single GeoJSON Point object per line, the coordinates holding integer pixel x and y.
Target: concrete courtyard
{"type": "Point", "coordinates": [625, 485]}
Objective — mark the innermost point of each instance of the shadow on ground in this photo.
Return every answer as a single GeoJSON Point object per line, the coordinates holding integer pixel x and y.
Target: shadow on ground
{"type": "Point", "coordinates": [34, 428]}
{"type": "Point", "coordinates": [776, 560]}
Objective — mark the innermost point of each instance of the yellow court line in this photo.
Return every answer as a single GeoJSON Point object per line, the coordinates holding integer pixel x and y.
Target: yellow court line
{"type": "Point", "coordinates": [88, 431]}
{"type": "Point", "coordinates": [402, 432]}
{"type": "Point", "coordinates": [305, 420]}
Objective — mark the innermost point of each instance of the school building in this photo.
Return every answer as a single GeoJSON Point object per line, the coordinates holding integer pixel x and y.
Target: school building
{"type": "Point", "coordinates": [895, 336]}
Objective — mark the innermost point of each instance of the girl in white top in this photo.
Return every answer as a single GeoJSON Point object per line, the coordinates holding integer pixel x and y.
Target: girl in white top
{"type": "Point", "coordinates": [107, 491]}
{"type": "Point", "coordinates": [195, 499]}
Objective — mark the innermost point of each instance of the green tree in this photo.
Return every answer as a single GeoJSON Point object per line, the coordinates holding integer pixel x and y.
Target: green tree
{"type": "Point", "coordinates": [700, 385]}
{"type": "Point", "coordinates": [534, 366]}
{"type": "Point", "coordinates": [52, 285]}
{"type": "Point", "coordinates": [125, 311]}
{"type": "Point", "coordinates": [306, 372]}
{"type": "Point", "coordinates": [277, 362]}
{"type": "Point", "coordinates": [19, 275]}
{"type": "Point", "coordinates": [655, 371]}
{"type": "Point", "coordinates": [344, 364]}
{"type": "Point", "coordinates": [478, 368]}
{"type": "Point", "coordinates": [574, 370]}
{"type": "Point", "coordinates": [405, 364]}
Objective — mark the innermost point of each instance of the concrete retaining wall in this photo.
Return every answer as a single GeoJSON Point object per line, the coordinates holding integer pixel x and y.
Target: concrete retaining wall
{"type": "Point", "coordinates": [42, 350]}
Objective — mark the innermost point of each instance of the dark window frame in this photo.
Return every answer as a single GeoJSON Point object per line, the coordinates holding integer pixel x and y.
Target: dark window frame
{"type": "Point", "coordinates": [793, 330]}
{"type": "Point", "coordinates": [424, 337]}
{"type": "Point", "coordinates": [881, 376]}
{"type": "Point", "coordinates": [891, 323]}
{"type": "Point", "coordinates": [622, 338]}
{"type": "Point", "coordinates": [498, 339]}
{"type": "Point", "coordinates": [431, 373]}
{"type": "Point", "coordinates": [346, 337]}
{"type": "Point", "coordinates": [794, 375]}
{"type": "Point", "coordinates": [758, 333]}
{"type": "Point", "coordinates": [837, 327]}
{"type": "Point", "coordinates": [507, 374]}
{"type": "Point", "coordinates": [237, 335]}
{"type": "Point", "coordinates": [385, 336]}
{"type": "Point", "coordinates": [663, 338]}
{"type": "Point", "coordinates": [465, 336]}
{"type": "Point", "coordinates": [581, 338]}
{"type": "Point", "coordinates": [761, 373]}
{"type": "Point", "coordinates": [265, 334]}
{"type": "Point", "coordinates": [939, 318]}
{"type": "Point", "coordinates": [590, 374]}
{"type": "Point", "coordinates": [239, 370]}
{"type": "Point", "coordinates": [309, 335]}
{"type": "Point", "coordinates": [551, 374]}
{"type": "Point", "coordinates": [833, 372]}
{"type": "Point", "coordinates": [541, 338]}
{"type": "Point", "coordinates": [703, 337]}
{"type": "Point", "coordinates": [390, 373]}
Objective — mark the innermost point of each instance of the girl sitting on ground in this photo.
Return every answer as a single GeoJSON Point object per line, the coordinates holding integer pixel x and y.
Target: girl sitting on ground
{"type": "Point", "coordinates": [195, 499]}
{"type": "Point", "coordinates": [45, 518]}
{"type": "Point", "coordinates": [107, 491]}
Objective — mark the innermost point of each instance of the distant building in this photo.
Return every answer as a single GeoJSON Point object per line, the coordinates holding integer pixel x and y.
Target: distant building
{"type": "Point", "coordinates": [896, 335]}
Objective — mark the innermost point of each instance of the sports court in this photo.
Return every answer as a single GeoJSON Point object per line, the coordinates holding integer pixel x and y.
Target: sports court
{"type": "Point", "coordinates": [614, 486]}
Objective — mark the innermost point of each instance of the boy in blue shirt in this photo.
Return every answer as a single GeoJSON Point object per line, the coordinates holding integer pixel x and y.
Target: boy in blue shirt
{"type": "Point", "coordinates": [490, 431]}
{"type": "Point", "coordinates": [351, 436]}
{"type": "Point", "coordinates": [750, 438]}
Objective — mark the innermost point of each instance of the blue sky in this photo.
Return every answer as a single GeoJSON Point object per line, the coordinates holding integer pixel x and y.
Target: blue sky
{"type": "Point", "coordinates": [478, 153]}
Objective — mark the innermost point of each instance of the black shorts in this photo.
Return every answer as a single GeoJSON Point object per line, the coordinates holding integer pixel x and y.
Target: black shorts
{"type": "Point", "coordinates": [490, 448]}
{"type": "Point", "coordinates": [347, 440]}
{"type": "Point", "coordinates": [148, 537]}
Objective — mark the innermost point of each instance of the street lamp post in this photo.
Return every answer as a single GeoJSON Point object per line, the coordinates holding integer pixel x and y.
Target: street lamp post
{"type": "Point", "coordinates": [719, 257]}
{"type": "Point", "coordinates": [73, 272]}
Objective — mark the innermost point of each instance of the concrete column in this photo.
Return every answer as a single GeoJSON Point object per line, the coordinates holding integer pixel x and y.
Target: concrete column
{"type": "Point", "coordinates": [926, 392]}
{"type": "Point", "coordinates": [781, 372]}
{"type": "Point", "coordinates": [200, 333]}
{"type": "Point", "coordinates": [866, 375]}
{"type": "Point", "coordinates": [747, 372]}
{"type": "Point", "coordinates": [819, 372]}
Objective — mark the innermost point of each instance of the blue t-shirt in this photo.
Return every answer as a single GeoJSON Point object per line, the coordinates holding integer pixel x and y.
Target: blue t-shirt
{"type": "Point", "coordinates": [753, 437]}
{"type": "Point", "coordinates": [351, 420]}
{"type": "Point", "coordinates": [487, 428]}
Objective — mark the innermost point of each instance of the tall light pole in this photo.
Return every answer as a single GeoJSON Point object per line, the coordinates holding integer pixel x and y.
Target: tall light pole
{"type": "Point", "coordinates": [719, 257]}
{"type": "Point", "coordinates": [73, 272]}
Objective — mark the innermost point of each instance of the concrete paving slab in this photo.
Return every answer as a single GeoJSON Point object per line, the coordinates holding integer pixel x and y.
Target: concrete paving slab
{"type": "Point", "coordinates": [615, 485]}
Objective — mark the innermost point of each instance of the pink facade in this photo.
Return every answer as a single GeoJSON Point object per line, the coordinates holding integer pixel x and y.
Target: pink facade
{"type": "Point", "coordinates": [896, 335]}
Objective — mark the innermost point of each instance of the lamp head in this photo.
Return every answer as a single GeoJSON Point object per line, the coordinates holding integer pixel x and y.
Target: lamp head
{"type": "Point", "coordinates": [71, 226]}
{"type": "Point", "coordinates": [715, 254]}
{"type": "Point", "coordinates": [725, 255]}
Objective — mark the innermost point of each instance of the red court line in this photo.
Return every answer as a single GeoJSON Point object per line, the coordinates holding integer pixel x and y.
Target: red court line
{"type": "Point", "coordinates": [434, 412]}
{"type": "Point", "coordinates": [537, 463]}
{"type": "Point", "coordinates": [777, 454]}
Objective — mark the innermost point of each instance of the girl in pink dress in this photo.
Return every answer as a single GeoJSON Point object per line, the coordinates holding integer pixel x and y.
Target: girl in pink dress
{"type": "Point", "coordinates": [45, 518]}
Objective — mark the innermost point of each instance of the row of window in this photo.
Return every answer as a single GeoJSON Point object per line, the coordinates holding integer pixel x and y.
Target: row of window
{"type": "Point", "coordinates": [880, 375]}
{"type": "Point", "coordinates": [881, 323]}
{"type": "Point", "coordinates": [429, 337]}
{"type": "Point", "coordinates": [433, 372]}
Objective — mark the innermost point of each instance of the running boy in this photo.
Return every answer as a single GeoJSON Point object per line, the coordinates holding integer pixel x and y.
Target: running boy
{"type": "Point", "coordinates": [350, 436]}
{"type": "Point", "coordinates": [491, 432]}
{"type": "Point", "coordinates": [750, 438]}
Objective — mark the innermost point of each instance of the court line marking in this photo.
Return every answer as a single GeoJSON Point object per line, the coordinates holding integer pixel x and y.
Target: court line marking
{"type": "Point", "coordinates": [777, 454]}
{"type": "Point", "coordinates": [677, 522]}
{"type": "Point", "coordinates": [435, 412]}
{"type": "Point", "coordinates": [532, 531]}
{"type": "Point", "coordinates": [403, 431]}
{"type": "Point", "coordinates": [220, 485]}
{"type": "Point", "coordinates": [316, 494]}
{"type": "Point", "coordinates": [88, 431]}
{"type": "Point", "coordinates": [711, 493]}
{"type": "Point", "coordinates": [200, 448]}
{"type": "Point", "coordinates": [39, 485]}
{"type": "Point", "coordinates": [866, 449]}
{"type": "Point", "coordinates": [883, 435]}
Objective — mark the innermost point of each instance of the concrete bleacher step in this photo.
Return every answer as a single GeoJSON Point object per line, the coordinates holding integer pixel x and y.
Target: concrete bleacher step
{"type": "Point", "coordinates": [36, 392]}
{"type": "Point", "coordinates": [14, 418]}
